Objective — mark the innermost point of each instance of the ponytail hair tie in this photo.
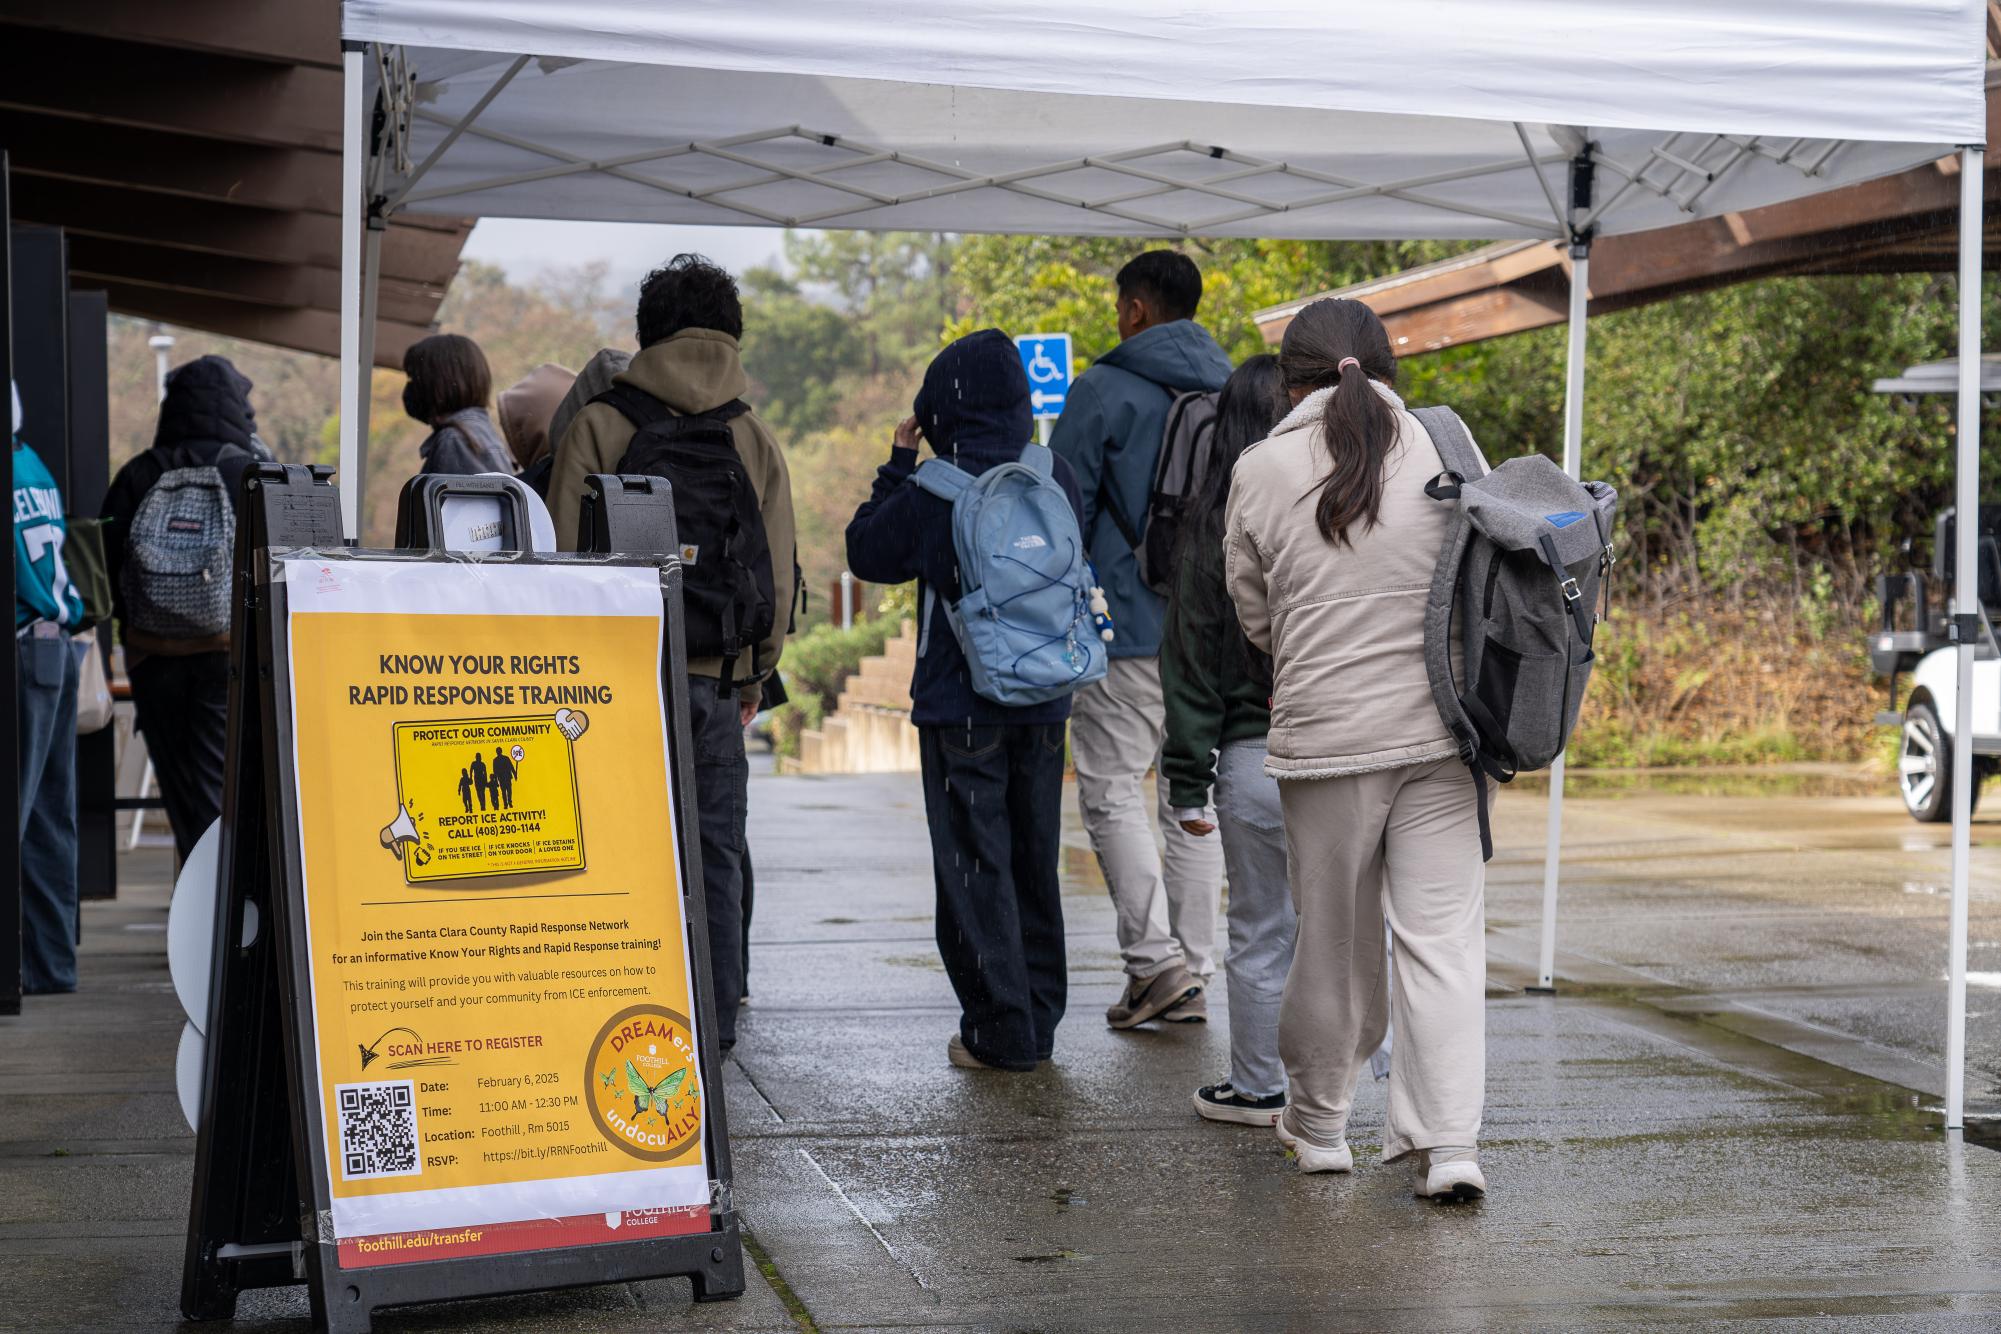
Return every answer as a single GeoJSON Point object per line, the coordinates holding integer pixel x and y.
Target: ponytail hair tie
{"type": "Point", "coordinates": [1346, 362]}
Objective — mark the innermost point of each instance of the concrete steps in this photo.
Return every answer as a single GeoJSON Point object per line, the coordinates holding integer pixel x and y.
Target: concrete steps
{"type": "Point", "coordinates": [869, 731]}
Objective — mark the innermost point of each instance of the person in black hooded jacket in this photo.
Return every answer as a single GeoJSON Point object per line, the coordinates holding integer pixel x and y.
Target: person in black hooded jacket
{"type": "Point", "coordinates": [180, 688]}
{"type": "Point", "coordinates": [993, 774]}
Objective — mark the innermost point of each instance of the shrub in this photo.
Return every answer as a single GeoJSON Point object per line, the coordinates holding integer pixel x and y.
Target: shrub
{"type": "Point", "coordinates": [816, 667]}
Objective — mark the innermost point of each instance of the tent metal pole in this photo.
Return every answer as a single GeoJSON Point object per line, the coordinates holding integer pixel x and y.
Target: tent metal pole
{"type": "Point", "coordinates": [1573, 463]}
{"type": "Point", "coordinates": [371, 287]}
{"type": "Point", "coordinates": [1965, 623]}
{"type": "Point", "coordinates": [353, 147]}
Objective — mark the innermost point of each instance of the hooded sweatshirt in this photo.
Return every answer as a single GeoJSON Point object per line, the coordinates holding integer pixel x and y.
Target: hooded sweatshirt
{"type": "Point", "coordinates": [596, 377]}
{"type": "Point", "coordinates": [205, 420]}
{"type": "Point", "coordinates": [974, 411]}
{"type": "Point", "coordinates": [694, 371]}
{"type": "Point", "coordinates": [526, 408]}
{"type": "Point", "coordinates": [1110, 434]}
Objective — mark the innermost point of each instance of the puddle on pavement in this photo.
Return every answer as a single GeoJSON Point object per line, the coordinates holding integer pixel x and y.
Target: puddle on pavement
{"type": "Point", "coordinates": [1050, 1257]}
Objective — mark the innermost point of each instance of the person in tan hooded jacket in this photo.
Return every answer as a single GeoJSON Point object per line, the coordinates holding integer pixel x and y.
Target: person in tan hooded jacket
{"type": "Point", "coordinates": [1330, 544]}
{"type": "Point", "coordinates": [692, 368]}
{"type": "Point", "coordinates": [689, 321]}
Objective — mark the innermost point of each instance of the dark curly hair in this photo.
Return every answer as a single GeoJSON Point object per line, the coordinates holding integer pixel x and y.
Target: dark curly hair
{"type": "Point", "coordinates": [688, 292]}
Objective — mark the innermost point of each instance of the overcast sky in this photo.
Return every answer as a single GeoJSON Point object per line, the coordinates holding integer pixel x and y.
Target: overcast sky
{"type": "Point", "coordinates": [525, 247]}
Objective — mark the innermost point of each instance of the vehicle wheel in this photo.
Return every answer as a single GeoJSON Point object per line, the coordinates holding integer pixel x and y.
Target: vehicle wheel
{"type": "Point", "coordinates": [1924, 766]}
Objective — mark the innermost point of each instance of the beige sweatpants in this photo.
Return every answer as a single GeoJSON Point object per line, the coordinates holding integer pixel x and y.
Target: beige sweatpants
{"type": "Point", "coordinates": [1167, 903]}
{"type": "Point", "coordinates": [1401, 845]}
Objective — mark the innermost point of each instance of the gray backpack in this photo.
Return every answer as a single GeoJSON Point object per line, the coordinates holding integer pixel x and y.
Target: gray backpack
{"type": "Point", "coordinates": [1523, 566]}
{"type": "Point", "coordinates": [177, 556]}
{"type": "Point", "coordinates": [1185, 447]}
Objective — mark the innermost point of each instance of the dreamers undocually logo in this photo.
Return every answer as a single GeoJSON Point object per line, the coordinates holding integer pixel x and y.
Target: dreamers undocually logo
{"type": "Point", "coordinates": [642, 1079]}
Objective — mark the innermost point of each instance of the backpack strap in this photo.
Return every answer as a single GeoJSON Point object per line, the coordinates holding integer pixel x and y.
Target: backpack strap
{"type": "Point", "coordinates": [1040, 457]}
{"type": "Point", "coordinates": [1455, 446]}
{"type": "Point", "coordinates": [1108, 506]}
{"type": "Point", "coordinates": [942, 478]}
{"type": "Point", "coordinates": [635, 405]}
{"type": "Point", "coordinates": [1439, 608]}
{"type": "Point", "coordinates": [1573, 596]}
{"type": "Point", "coordinates": [643, 409]}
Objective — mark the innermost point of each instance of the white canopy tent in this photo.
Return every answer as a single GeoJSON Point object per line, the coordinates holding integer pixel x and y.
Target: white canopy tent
{"type": "Point", "coordinates": [1564, 119]}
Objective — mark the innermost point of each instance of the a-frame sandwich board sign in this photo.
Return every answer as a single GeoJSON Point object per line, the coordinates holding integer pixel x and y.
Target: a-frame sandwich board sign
{"type": "Point", "coordinates": [542, 1107]}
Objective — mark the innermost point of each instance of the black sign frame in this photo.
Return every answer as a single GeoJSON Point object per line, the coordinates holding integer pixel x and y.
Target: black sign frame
{"type": "Point", "coordinates": [261, 1210]}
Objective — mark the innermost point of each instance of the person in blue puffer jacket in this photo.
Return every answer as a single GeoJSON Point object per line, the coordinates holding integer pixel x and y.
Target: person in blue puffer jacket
{"type": "Point", "coordinates": [993, 774]}
{"type": "Point", "coordinates": [1110, 433]}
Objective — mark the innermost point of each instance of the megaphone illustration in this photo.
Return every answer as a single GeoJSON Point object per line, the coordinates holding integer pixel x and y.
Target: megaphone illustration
{"type": "Point", "coordinates": [571, 723]}
{"type": "Point", "coordinates": [401, 833]}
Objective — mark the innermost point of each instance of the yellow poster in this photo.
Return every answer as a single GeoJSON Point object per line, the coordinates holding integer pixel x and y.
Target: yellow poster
{"type": "Point", "coordinates": [506, 1041]}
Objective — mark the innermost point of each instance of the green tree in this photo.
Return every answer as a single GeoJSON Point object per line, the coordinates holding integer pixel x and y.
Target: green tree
{"type": "Point", "coordinates": [1056, 284]}
{"type": "Point", "coordinates": [799, 353]}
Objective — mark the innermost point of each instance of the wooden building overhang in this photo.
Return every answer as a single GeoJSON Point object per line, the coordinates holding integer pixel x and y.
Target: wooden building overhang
{"type": "Point", "coordinates": [191, 152]}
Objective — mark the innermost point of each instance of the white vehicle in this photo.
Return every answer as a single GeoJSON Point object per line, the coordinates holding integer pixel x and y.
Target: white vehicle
{"type": "Point", "coordinates": [1928, 720]}
{"type": "Point", "coordinates": [1930, 713]}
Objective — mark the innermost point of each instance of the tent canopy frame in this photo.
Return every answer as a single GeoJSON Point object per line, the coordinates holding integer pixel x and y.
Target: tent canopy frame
{"type": "Point", "coordinates": [1682, 174]}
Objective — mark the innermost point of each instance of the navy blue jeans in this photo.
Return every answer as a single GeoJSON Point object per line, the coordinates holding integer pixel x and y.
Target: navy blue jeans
{"type": "Point", "coordinates": [993, 797]}
{"type": "Point", "coordinates": [722, 797]}
{"type": "Point", "coordinates": [45, 711]}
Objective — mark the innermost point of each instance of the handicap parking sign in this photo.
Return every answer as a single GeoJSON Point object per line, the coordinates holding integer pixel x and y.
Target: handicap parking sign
{"type": "Point", "coordinates": [1046, 359]}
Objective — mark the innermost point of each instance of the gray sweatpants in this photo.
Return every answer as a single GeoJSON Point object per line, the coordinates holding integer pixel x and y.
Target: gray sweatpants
{"type": "Point", "coordinates": [1260, 916]}
{"type": "Point", "coordinates": [1402, 845]}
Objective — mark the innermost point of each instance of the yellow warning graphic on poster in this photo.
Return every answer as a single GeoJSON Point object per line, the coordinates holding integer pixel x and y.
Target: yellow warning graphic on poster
{"type": "Point", "coordinates": [487, 796]}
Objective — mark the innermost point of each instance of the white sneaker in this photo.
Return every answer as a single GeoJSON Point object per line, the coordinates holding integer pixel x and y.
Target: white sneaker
{"type": "Point", "coordinates": [1312, 1157]}
{"type": "Point", "coordinates": [1451, 1182]}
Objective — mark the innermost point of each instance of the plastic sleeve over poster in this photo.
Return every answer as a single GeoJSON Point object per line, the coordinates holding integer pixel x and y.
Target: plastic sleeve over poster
{"type": "Point", "coordinates": [504, 1024]}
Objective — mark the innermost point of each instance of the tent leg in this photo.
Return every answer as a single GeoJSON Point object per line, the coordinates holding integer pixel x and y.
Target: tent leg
{"type": "Point", "coordinates": [371, 286]}
{"type": "Point", "coordinates": [354, 145]}
{"type": "Point", "coordinates": [1573, 463]}
{"type": "Point", "coordinates": [1965, 592]}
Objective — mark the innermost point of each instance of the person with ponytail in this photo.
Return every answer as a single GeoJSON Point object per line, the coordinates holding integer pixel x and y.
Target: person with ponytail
{"type": "Point", "coordinates": [1217, 689]}
{"type": "Point", "coordinates": [1330, 543]}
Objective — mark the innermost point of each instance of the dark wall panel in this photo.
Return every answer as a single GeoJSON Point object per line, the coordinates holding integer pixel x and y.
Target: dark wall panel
{"type": "Point", "coordinates": [89, 476]}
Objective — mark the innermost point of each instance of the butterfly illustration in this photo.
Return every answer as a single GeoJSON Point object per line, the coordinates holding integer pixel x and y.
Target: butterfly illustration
{"type": "Point", "coordinates": [655, 1094]}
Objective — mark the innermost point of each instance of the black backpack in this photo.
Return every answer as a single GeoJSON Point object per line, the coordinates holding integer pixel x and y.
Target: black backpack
{"type": "Point", "coordinates": [729, 604]}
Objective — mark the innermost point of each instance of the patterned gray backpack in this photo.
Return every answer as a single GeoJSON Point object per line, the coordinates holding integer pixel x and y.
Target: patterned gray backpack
{"type": "Point", "coordinates": [1523, 566]}
{"type": "Point", "coordinates": [177, 557]}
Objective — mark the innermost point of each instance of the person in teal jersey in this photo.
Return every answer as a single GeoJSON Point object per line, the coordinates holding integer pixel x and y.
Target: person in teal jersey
{"type": "Point", "coordinates": [46, 607]}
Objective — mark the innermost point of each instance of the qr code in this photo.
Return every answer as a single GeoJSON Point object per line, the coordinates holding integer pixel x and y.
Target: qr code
{"type": "Point", "coordinates": [378, 1130]}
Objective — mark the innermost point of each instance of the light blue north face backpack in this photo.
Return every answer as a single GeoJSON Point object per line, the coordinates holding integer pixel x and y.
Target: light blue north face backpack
{"type": "Point", "coordinates": [1023, 616]}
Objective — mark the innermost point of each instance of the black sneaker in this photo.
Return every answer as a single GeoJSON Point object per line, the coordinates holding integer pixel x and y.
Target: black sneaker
{"type": "Point", "coordinates": [1220, 1102]}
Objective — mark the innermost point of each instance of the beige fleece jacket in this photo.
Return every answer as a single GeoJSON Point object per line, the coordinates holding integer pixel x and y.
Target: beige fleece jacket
{"type": "Point", "coordinates": [693, 371]}
{"type": "Point", "coordinates": [1344, 625]}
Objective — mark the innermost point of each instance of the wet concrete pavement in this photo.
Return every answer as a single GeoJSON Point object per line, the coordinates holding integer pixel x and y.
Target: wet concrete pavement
{"type": "Point", "coordinates": [1806, 908]}
{"type": "Point", "coordinates": [1724, 1115]}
